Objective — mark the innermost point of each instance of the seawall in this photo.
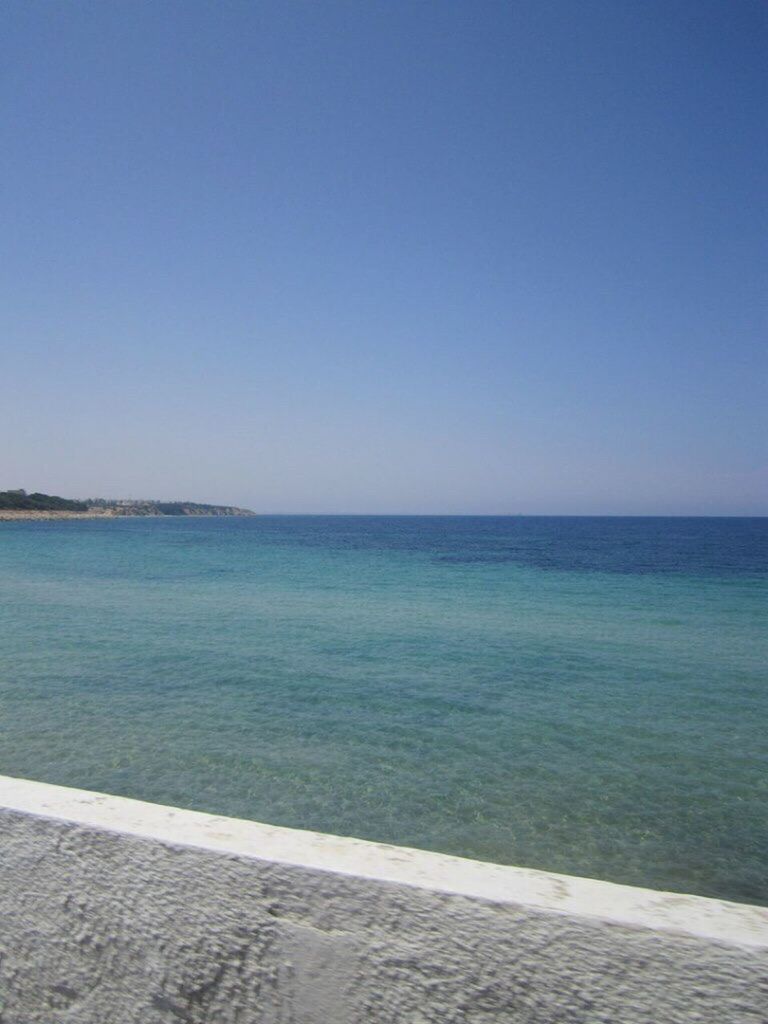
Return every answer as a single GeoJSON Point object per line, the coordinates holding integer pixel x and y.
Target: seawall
{"type": "Point", "coordinates": [114, 911]}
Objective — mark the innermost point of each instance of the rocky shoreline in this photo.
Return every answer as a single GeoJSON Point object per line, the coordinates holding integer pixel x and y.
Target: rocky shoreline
{"type": "Point", "coordinates": [12, 515]}
{"type": "Point", "coordinates": [18, 515]}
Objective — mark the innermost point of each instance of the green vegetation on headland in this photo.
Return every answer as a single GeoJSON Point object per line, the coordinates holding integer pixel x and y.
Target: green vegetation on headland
{"type": "Point", "coordinates": [39, 502]}
{"type": "Point", "coordinates": [19, 501]}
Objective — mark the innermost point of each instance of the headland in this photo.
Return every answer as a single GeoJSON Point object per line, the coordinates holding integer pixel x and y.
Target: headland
{"type": "Point", "coordinates": [18, 505]}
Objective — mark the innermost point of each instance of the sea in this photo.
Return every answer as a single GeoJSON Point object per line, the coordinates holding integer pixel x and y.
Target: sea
{"type": "Point", "coordinates": [580, 695]}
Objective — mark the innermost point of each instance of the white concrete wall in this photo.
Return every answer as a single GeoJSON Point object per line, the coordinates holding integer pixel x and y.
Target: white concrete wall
{"type": "Point", "coordinates": [115, 911]}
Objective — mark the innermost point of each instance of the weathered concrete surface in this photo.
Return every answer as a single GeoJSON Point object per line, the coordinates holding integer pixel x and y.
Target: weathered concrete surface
{"type": "Point", "coordinates": [114, 911]}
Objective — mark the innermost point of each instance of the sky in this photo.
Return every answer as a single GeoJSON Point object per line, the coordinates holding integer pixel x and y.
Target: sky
{"type": "Point", "coordinates": [387, 257]}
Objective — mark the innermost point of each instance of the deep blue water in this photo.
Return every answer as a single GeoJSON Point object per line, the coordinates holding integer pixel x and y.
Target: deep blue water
{"type": "Point", "coordinates": [583, 695]}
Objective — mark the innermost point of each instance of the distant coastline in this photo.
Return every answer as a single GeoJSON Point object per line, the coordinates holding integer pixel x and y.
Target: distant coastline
{"type": "Point", "coordinates": [18, 505]}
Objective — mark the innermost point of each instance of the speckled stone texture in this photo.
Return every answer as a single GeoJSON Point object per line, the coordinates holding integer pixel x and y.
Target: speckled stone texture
{"type": "Point", "coordinates": [98, 927]}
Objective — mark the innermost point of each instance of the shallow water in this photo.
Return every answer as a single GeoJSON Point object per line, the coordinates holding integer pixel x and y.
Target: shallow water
{"type": "Point", "coordinates": [581, 695]}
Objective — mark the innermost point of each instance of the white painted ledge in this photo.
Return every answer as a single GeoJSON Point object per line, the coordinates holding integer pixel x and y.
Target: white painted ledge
{"type": "Point", "coordinates": [693, 916]}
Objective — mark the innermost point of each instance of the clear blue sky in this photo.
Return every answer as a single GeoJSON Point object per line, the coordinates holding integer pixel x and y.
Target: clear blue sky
{"type": "Point", "coordinates": [387, 256]}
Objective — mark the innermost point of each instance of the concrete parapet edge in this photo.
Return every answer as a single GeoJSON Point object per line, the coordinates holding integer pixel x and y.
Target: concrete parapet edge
{"type": "Point", "coordinates": [629, 906]}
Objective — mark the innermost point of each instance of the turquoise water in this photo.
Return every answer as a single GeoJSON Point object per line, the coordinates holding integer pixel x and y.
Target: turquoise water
{"type": "Point", "coordinates": [581, 695]}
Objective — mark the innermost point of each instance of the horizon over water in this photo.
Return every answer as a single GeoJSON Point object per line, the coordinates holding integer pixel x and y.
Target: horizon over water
{"type": "Point", "coordinates": [579, 694]}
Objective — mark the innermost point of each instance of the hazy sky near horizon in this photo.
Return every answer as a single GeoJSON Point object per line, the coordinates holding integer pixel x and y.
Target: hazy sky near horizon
{"type": "Point", "coordinates": [503, 257]}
